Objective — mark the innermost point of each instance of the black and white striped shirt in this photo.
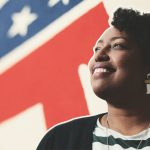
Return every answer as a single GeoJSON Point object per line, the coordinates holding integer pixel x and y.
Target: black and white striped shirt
{"type": "Point", "coordinates": [104, 138]}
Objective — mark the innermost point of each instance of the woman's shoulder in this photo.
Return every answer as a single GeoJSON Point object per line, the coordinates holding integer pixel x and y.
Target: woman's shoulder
{"type": "Point", "coordinates": [73, 125]}
{"type": "Point", "coordinates": [69, 129]}
{"type": "Point", "coordinates": [77, 122]}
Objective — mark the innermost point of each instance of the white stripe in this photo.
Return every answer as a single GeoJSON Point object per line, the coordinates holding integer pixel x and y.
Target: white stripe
{"type": "Point", "coordinates": [98, 146]}
{"type": "Point", "coordinates": [102, 132]}
{"type": "Point", "coordinates": [95, 104]}
{"type": "Point", "coordinates": [24, 130]}
{"type": "Point", "coordinates": [46, 34]}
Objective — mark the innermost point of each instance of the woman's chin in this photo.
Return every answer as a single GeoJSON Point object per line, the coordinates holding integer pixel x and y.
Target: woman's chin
{"type": "Point", "coordinates": [108, 95]}
{"type": "Point", "coordinates": [101, 93]}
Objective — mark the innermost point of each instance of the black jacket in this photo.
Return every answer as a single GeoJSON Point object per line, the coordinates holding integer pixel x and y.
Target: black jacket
{"type": "Point", "coordinates": [73, 135]}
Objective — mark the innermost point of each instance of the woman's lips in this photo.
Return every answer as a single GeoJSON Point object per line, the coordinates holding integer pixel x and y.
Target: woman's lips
{"type": "Point", "coordinates": [102, 69]}
{"type": "Point", "coordinates": [97, 70]}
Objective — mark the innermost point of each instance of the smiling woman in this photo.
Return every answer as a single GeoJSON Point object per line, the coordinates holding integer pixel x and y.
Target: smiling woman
{"type": "Point", "coordinates": [119, 69]}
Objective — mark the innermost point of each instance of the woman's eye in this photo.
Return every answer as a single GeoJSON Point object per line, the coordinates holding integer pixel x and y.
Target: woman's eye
{"type": "Point", "coordinates": [96, 49]}
{"type": "Point", "coordinates": [118, 46]}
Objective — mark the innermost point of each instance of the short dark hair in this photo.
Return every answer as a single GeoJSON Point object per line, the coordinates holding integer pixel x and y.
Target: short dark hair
{"type": "Point", "coordinates": [137, 25]}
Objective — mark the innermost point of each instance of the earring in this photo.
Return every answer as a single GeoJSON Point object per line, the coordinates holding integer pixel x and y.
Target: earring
{"type": "Point", "coordinates": [147, 82]}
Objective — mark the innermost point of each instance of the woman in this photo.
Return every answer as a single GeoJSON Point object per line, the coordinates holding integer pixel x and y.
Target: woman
{"type": "Point", "coordinates": [119, 69]}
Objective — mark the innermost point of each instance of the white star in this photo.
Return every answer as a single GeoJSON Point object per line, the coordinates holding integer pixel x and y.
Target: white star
{"type": "Point", "coordinates": [21, 22]}
{"type": "Point", "coordinates": [2, 3]}
{"type": "Point", "coordinates": [52, 3]}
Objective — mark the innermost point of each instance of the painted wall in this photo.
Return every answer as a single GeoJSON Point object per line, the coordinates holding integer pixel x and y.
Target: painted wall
{"type": "Point", "coordinates": [44, 77]}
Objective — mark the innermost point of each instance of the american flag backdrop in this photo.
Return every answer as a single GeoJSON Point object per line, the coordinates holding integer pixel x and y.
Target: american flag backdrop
{"type": "Point", "coordinates": [45, 46]}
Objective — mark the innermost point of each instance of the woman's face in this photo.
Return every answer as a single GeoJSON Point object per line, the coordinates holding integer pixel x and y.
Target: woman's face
{"type": "Point", "coordinates": [116, 67]}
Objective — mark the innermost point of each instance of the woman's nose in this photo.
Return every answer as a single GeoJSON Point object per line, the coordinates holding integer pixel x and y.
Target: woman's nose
{"type": "Point", "coordinates": [101, 56]}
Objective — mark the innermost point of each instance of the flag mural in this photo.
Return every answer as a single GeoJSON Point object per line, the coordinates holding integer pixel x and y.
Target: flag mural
{"type": "Point", "coordinates": [45, 49]}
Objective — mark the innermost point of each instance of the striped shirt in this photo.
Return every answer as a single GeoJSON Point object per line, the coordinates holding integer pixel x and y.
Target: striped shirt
{"type": "Point", "coordinates": [107, 139]}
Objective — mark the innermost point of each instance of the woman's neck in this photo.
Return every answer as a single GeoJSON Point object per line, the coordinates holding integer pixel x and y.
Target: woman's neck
{"type": "Point", "coordinates": [126, 121]}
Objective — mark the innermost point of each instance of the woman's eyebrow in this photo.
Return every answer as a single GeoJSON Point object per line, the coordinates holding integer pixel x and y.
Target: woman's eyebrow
{"type": "Point", "coordinates": [113, 38]}
{"type": "Point", "coordinates": [118, 37]}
